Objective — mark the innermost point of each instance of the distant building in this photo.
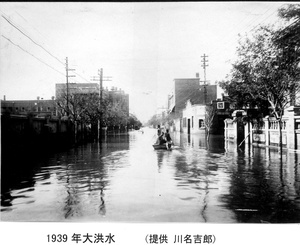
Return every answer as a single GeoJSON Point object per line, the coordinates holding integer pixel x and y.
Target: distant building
{"type": "Point", "coordinates": [38, 107]}
{"type": "Point", "coordinates": [115, 95]}
{"type": "Point", "coordinates": [76, 88]}
{"type": "Point", "coordinates": [188, 89]}
{"type": "Point", "coordinates": [193, 116]}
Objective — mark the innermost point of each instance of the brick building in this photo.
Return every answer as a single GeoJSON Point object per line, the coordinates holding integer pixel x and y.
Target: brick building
{"type": "Point", "coordinates": [38, 107]}
{"type": "Point", "coordinates": [114, 94]}
{"type": "Point", "coordinates": [76, 88]}
{"type": "Point", "coordinates": [118, 96]}
{"type": "Point", "coordinates": [188, 89]}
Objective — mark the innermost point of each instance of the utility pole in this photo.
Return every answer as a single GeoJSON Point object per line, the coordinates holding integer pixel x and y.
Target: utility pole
{"type": "Point", "coordinates": [204, 65]}
{"type": "Point", "coordinates": [67, 78]}
{"type": "Point", "coordinates": [100, 80]}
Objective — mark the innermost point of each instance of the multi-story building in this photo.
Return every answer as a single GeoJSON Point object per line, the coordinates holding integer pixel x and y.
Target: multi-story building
{"type": "Point", "coordinates": [115, 95]}
{"type": "Point", "coordinates": [75, 88]}
{"type": "Point", "coordinates": [38, 107]}
{"type": "Point", "coordinates": [194, 116]}
{"type": "Point", "coordinates": [188, 89]}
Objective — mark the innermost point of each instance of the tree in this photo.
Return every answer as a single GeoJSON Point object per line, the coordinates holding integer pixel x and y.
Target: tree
{"type": "Point", "coordinates": [114, 115]}
{"type": "Point", "coordinates": [287, 39]}
{"type": "Point", "coordinates": [154, 120]}
{"type": "Point", "coordinates": [210, 112]}
{"type": "Point", "coordinates": [133, 121]}
{"type": "Point", "coordinates": [266, 69]}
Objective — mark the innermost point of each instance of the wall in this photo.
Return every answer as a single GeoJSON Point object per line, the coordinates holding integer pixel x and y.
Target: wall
{"type": "Point", "coordinates": [24, 107]}
{"type": "Point", "coordinates": [194, 113]}
{"type": "Point", "coordinates": [266, 131]}
{"type": "Point", "coordinates": [28, 134]}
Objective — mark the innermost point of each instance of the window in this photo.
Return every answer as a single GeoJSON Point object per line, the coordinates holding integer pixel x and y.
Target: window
{"type": "Point", "coordinates": [184, 122]}
{"type": "Point", "coordinates": [201, 123]}
{"type": "Point", "coordinates": [220, 105]}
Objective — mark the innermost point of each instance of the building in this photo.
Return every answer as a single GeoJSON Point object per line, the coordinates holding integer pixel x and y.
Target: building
{"type": "Point", "coordinates": [114, 95]}
{"type": "Point", "coordinates": [188, 89]}
{"type": "Point", "coordinates": [193, 116]}
{"type": "Point", "coordinates": [76, 88]}
{"type": "Point", "coordinates": [117, 96]}
{"type": "Point", "coordinates": [38, 107]}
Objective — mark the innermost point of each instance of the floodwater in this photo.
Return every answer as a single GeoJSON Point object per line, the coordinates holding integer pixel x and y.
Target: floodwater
{"type": "Point", "coordinates": [125, 180]}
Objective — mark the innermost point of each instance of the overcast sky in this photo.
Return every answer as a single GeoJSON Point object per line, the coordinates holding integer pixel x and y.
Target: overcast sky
{"type": "Point", "coordinates": [142, 46]}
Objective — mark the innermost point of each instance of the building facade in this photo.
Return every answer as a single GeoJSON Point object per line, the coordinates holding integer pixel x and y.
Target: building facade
{"type": "Point", "coordinates": [115, 95]}
{"type": "Point", "coordinates": [189, 90]}
{"type": "Point", "coordinates": [38, 107]}
{"type": "Point", "coordinates": [193, 117]}
{"type": "Point", "coordinates": [76, 88]}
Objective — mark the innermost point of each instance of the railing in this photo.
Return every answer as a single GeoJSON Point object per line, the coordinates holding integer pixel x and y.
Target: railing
{"type": "Point", "coordinates": [274, 124]}
{"type": "Point", "coordinates": [266, 131]}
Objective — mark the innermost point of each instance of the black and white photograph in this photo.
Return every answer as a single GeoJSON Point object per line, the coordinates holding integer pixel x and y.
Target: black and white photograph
{"type": "Point", "coordinates": [150, 113]}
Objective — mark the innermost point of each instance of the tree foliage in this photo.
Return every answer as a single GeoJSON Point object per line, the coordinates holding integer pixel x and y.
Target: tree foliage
{"type": "Point", "coordinates": [133, 122]}
{"type": "Point", "coordinates": [210, 112]}
{"type": "Point", "coordinates": [267, 68]}
{"type": "Point", "coordinates": [87, 108]}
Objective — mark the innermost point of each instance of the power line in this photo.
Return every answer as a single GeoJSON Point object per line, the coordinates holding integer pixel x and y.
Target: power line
{"type": "Point", "coordinates": [32, 55]}
{"type": "Point", "coordinates": [12, 24]}
{"type": "Point", "coordinates": [31, 39]}
{"type": "Point", "coordinates": [31, 25]}
{"type": "Point", "coordinates": [81, 77]}
{"type": "Point", "coordinates": [260, 22]}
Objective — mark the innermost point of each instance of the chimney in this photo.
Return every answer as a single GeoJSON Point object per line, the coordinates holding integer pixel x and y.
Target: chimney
{"type": "Point", "coordinates": [4, 97]}
{"type": "Point", "coordinates": [38, 98]}
{"type": "Point", "coordinates": [52, 97]}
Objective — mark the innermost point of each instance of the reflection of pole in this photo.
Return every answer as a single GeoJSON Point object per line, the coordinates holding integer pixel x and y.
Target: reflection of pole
{"type": "Point", "coordinates": [100, 102]}
{"type": "Point", "coordinates": [67, 86]}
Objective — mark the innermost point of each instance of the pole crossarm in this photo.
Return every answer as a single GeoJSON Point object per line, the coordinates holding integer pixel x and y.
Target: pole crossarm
{"type": "Point", "coordinates": [204, 65]}
{"type": "Point", "coordinates": [67, 81]}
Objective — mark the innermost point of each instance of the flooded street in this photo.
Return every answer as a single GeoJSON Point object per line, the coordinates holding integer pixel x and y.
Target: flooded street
{"type": "Point", "coordinates": [124, 179]}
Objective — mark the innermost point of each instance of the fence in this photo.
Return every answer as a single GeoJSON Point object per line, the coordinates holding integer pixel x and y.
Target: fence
{"type": "Point", "coordinates": [21, 134]}
{"type": "Point", "coordinates": [265, 132]}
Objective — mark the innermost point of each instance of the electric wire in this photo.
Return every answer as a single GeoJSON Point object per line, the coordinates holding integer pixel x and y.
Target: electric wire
{"type": "Point", "coordinates": [13, 25]}
{"type": "Point", "coordinates": [32, 55]}
{"type": "Point", "coordinates": [31, 39]}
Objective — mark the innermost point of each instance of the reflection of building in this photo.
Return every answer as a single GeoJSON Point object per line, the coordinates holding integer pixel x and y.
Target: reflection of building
{"type": "Point", "coordinates": [38, 107]}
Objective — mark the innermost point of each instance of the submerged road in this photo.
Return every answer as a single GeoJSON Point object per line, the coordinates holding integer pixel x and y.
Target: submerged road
{"type": "Point", "coordinates": [125, 179]}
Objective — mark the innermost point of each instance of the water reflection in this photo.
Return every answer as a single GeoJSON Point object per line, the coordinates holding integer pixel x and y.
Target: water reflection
{"type": "Point", "coordinates": [125, 179]}
{"type": "Point", "coordinates": [264, 187]}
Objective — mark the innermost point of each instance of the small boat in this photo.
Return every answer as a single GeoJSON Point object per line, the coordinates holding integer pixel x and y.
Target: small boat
{"type": "Point", "coordinates": [161, 147]}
